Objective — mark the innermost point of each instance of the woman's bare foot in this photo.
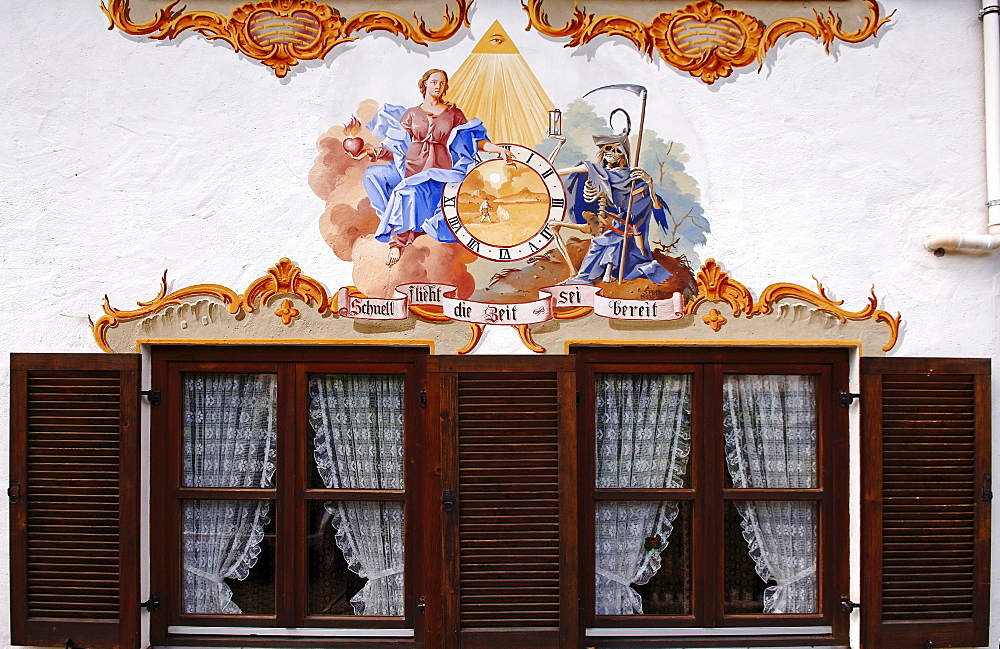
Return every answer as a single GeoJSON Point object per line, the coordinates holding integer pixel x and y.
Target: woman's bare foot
{"type": "Point", "coordinates": [393, 256]}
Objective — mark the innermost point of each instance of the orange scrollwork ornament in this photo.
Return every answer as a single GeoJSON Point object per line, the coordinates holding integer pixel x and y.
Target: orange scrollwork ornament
{"type": "Point", "coordinates": [284, 278]}
{"type": "Point", "coordinates": [287, 312]}
{"type": "Point", "coordinates": [715, 319]}
{"type": "Point", "coordinates": [280, 33]}
{"type": "Point", "coordinates": [715, 285]}
{"type": "Point", "coordinates": [825, 28]}
{"type": "Point", "coordinates": [703, 39]}
{"type": "Point", "coordinates": [707, 40]}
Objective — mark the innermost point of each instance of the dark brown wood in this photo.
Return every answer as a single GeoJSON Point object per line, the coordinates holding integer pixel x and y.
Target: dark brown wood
{"type": "Point", "coordinates": [463, 591]}
{"type": "Point", "coordinates": [74, 453]}
{"type": "Point", "coordinates": [707, 473]}
{"type": "Point", "coordinates": [708, 476]}
{"type": "Point", "coordinates": [570, 621]}
{"type": "Point", "coordinates": [291, 493]}
{"type": "Point", "coordinates": [510, 525]}
{"type": "Point", "coordinates": [695, 642]}
{"type": "Point", "coordinates": [290, 515]}
{"type": "Point", "coordinates": [427, 470]}
{"type": "Point", "coordinates": [447, 406]}
{"type": "Point", "coordinates": [925, 525]}
{"type": "Point", "coordinates": [508, 455]}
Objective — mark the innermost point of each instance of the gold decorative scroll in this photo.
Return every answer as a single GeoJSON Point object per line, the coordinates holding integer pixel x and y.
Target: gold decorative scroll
{"type": "Point", "coordinates": [280, 33]}
{"type": "Point", "coordinates": [284, 278]}
{"type": "Point", "coordinates": [715, 285]}
{"type": "Point", "coordinates": [523, 331]}
{"type": "Point", "coordinates": [703, 39]}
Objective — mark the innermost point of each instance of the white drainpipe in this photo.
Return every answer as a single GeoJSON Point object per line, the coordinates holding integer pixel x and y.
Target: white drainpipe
{"type": "Point", "coordinates": [940, 243]}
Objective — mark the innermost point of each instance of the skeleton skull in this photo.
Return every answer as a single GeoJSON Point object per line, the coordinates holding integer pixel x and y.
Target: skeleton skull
{"type": "Point", "coordinates": [613, 155]}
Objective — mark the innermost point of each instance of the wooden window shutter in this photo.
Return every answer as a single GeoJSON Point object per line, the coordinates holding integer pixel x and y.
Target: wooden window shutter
{"type": "Point", "coordinates": [509, 467]}
{"type": "Point", "coordinates": [74, 500]}
{"type": "Point", "coordinates": [925, 512]}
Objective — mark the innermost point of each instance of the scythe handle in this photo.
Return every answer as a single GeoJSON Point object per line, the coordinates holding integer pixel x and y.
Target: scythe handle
{"type": "Point", "coordinates": [631, 194]}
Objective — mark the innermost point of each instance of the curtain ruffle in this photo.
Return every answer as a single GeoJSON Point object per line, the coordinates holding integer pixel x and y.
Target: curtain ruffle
{"type": "Point", "coordinates": [643, 438]}
{"type": "Point", "coordinates": [382, 593]}
{"type": "Point", "coordinates": [205, 589]}
{"type": "Point", "coordinates": [229, 441]}
{"type": "Point", "coordinates": [357, 421]}
{"type": "Point", "coordinates": [621, 560]}
{"type": "Point", "coordinates": [770, 429]}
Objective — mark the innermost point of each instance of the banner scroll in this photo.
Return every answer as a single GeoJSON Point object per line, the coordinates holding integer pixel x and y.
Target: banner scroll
{"type": "Point", "coordinates": [521, 313]}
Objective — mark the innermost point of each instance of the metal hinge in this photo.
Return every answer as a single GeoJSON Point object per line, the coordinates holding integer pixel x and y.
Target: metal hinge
{"type": "Point", "coordinates": [987, 493]}
{"type": "Point", "coordinates": [14, 492]}
{"type": "Point", "coordinates": [152, 396]}
{"type": "Point", "coordinates": [423, 398]}
{"type": "Point", "coordinates": [847, 604]}
{"type": "Point", "coordinates": [151, 604]}
{"type": "Point", "coordinates": [847, 398]}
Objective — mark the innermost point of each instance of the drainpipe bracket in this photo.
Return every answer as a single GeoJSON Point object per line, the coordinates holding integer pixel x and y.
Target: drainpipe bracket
{"type": "Point", "coordinates": [995, 201]}
{"type": "Point", "coordinates": [992, 9]}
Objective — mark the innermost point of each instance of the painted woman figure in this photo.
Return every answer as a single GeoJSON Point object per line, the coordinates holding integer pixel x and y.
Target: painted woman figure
{"type": "Point", "coordinates": [425, 147]}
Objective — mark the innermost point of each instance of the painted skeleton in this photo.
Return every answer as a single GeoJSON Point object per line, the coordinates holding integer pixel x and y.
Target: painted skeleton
{"type": "Point", "coordinates": [625, 203]}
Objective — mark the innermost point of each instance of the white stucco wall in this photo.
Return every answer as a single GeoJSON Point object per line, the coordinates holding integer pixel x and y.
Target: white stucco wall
{"type": "Point", "coordinates": [120, 157]}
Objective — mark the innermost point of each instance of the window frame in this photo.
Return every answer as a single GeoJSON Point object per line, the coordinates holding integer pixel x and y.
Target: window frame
{"type": "Point", "coordinates": [45, 632]}
{"type": "Point", "coordinates": [290, 493]}
{"type": "Point", "coordinates": [707, 492]}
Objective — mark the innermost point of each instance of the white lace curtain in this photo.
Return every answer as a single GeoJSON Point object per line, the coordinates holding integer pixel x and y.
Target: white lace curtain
{"type": "Point", "coordinates": [770, 429]}
{"type": "Point", "coordinates": [643, 441]}
{"type": "Point", "coordinates": [229, 441]}
{"type": "Point", "coordinates": [358, 444]}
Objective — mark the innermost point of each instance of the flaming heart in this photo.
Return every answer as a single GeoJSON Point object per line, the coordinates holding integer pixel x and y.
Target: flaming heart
{"type": "Point", "coordinates": [353, 144]}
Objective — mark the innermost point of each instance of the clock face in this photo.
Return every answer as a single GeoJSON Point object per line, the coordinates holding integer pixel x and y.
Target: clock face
{"type": "Point", "coordinates": [502, 211]}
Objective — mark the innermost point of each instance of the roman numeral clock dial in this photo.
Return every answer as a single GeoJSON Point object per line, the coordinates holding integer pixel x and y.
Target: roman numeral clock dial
{"type": "Point", "coordinates": [502, 211]}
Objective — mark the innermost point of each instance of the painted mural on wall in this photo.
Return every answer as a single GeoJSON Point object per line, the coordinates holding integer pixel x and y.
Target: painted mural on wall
{"type": "Point", "coordinates": [703, 38]}
{"type": "Point", "coordinates": [483, 198]}
{"type": "Point", "coordinates": [509, 211]}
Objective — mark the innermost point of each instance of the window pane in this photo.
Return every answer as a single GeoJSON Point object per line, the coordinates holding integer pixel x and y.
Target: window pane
{"type": "Point", "coordinates": [331, 584]}
{"type": "Point", "coordinates": [642, 557]}
{"type": "Point", "coordinates": [229, 430]}
{"type": "Point", "coordinates": [770, 557]}
{"type": "Point", "coordinates": [643, 430]}
{"type": "Point", "coordinates": [770, 426]}
{"type": "Point", "coordinates": [669, 590]}
{"type": "Point", "coordinates": [355, 556]}
{"type": "Point", "coordinates": [357, 424]}
{"type": "Point", "coordinates": [228, 557]}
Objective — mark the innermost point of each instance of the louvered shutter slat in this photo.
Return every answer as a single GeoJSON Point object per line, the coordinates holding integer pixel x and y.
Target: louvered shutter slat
{"type": "Point", "coordinates": [508, 461]}
{"type": "Point", "coordinates": [74, 529]}
{"type": "Point", "coordinates": [925, 454]}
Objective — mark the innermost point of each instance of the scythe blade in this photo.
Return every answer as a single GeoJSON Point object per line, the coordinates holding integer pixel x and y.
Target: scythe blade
{"type": "Point", "coordinates": [636, 89]}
